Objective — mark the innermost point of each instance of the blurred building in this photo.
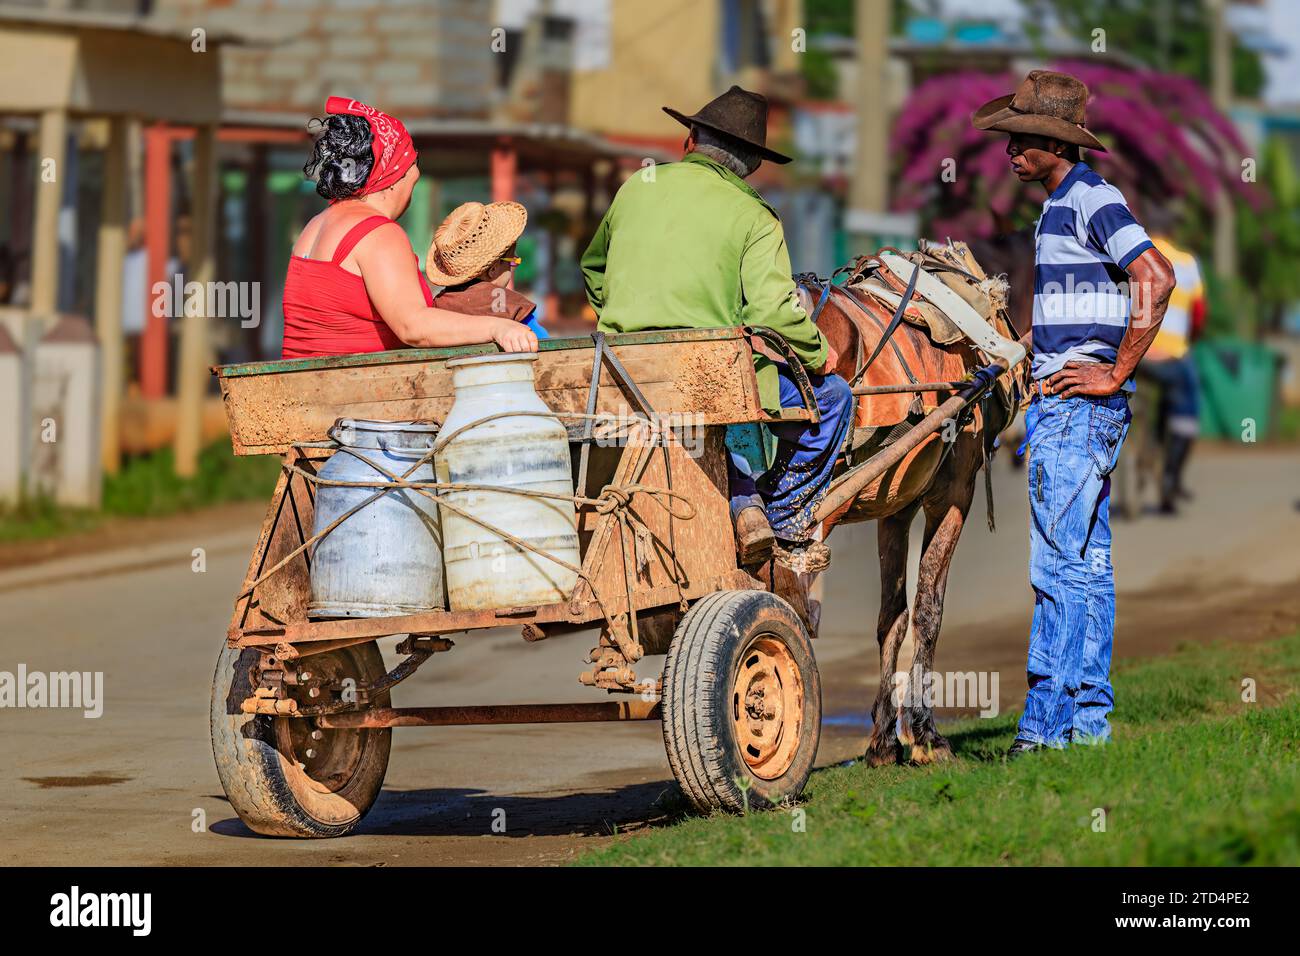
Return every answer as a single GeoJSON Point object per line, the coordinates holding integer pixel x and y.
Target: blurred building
{"type": "Point", "coordinates": [551, 102]}
{"type": "Point", "coordinates": [71, 85]}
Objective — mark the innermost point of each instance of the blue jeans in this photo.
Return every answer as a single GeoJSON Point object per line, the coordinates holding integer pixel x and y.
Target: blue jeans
{"type": "Point", "coordinates": [790, 490]}
{"type": "Point", "coordinates": [1074, 444]}
{"type": "Point", "coordinates": [1180, 407]}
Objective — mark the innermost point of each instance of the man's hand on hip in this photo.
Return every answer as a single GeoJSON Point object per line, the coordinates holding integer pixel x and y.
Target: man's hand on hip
{"type": "Point", "coordinates": [1084, 378]}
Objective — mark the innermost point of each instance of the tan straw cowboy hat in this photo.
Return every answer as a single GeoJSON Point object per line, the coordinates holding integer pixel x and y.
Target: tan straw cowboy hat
{"type": "Point", "coordinates": [472, 238]}
{"type": "Point", "coordinates": [1047, 104]}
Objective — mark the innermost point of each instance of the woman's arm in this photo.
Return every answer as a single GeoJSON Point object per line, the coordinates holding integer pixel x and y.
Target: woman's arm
{"type": "Point", "coordinates": [384, 258]}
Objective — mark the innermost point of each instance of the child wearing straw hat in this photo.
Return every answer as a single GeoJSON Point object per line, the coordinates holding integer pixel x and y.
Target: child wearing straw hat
{"type": "Point", "coordinates": [473, 257]}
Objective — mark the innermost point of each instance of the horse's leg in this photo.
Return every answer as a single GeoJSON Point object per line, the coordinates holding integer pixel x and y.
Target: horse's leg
{"type": "Point", "coordinates": [891, 628]}
{"type": "Point", "coordinates": [946, 503]}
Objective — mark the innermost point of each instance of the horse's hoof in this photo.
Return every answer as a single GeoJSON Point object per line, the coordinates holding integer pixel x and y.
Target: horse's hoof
{"type": "Point", "coordinates": [883, 755]}
{"type": "Point", "coordinates": [933, 752]}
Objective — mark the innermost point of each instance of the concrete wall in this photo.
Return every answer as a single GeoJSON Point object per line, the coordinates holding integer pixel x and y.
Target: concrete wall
{"type": "Point", "coordinates": [49, 410]}
{"type": "Point", "coordinates": [657, 56]}
{"type": "Point", "coordinates": [415, 58]}
{"type": "Point", "coordinates": [660, 54]}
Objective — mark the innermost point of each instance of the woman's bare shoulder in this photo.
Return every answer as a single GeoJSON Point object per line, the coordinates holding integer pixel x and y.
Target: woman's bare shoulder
{"type": "Point", "coordinates": [307, 238]}
{"type": "Point", "coordinates": [383, 240]}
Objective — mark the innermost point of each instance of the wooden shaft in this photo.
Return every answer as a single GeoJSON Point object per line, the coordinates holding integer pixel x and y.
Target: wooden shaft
{"type": "Point", "coordinates": [895, 389]}
{"type": "Point", "coordinates": [845, 488]}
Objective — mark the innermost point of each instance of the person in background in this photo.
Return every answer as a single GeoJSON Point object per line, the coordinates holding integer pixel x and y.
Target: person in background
{"type": "Point", "coordinates": [353, 282]}
{"type": "Point", "coordinates": [473, 258]}
{"type": "Point", "coordinates": [1088, 336]}
{"type": "Point", "coordinates": [135, 291]}
{"type": "Point", "coordinates": [1169, 362]}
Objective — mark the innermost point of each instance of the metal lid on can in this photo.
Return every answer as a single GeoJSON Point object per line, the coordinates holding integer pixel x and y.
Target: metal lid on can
{"type": "Point", "coordinates": [495, 358]}
{"type": "Point", "coordinates": [387, 436]}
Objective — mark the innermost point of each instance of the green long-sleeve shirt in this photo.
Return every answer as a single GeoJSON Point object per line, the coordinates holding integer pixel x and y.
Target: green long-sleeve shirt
{"type": "Point", "coordinates": [690, 245]}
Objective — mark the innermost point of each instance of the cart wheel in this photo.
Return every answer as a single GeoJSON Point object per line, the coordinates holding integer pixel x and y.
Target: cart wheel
{"type": "Point", "coordinates": [282, 781]}
{"type": "Point", "coordinates": [742, 702]}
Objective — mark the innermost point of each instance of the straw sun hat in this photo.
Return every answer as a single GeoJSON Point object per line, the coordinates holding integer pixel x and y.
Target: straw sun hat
{"type": "Point", "coordinates": [471, 239]}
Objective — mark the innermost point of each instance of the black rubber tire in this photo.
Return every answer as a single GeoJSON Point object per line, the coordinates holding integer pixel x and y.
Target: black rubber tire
{"type": "Point", "coordinates": [265, 786]}
{"type": "Point", "coordinates": [699, 683]}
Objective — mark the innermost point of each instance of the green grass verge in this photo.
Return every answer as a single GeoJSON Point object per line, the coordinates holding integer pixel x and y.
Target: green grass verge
{"type": "Point", "coordinates": [147, 486]}
{"type": "Point", "coordinates": [1193, 776]}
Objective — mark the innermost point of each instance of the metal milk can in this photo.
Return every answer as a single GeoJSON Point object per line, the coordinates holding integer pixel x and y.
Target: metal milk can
{"type": "Point", "coordinates": [385, 559]}
{"type": "Point", "coordinates": [528, 452]}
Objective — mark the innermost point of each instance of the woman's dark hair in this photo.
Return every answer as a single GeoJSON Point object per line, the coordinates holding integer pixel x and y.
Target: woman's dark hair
{"type": "Point", "coordinates": [341, 156]}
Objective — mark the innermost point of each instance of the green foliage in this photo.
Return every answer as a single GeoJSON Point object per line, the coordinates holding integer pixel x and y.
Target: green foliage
{"type": "Point", "coordinates": [1269, 240]}
{"type": "Point", "coordinates": [1194, 776]}
{"type": "Point", "coordinates": [37, 516]}
{"type": "Point", "coordinates": [1231, 305]}
{"type": "Point", "coordinates": [148, 486]}
{"type": "Point", "coordinates": [833, 17]}
{"type": "Point", "coordinates": [1172, 36]}
{"type": "Point", "coordinates": [819, 74]}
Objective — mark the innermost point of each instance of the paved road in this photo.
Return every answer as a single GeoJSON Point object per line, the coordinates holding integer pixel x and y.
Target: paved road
{"type": "Point", "coordinates": [128, 788]}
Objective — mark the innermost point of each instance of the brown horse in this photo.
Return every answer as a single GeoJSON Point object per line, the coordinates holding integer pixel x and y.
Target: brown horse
{"type": "Point", "coordinates": [937, 477]}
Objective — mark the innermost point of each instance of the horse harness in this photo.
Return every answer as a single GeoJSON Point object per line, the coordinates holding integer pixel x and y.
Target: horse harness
{"type": "Point", "coordinates": [872, 440]}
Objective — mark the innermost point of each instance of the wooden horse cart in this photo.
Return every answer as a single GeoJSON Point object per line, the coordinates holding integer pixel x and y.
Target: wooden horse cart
{"type": "Point", "coordinates": [301, 709]}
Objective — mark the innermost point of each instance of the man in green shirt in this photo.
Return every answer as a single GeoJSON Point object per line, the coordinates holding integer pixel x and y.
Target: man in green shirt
{"type": "Point", "coordinates": [691, 245]}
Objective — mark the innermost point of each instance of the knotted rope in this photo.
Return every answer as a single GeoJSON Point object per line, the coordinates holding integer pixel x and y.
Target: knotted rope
{"type": "Point", "coordinates": [613, 499]}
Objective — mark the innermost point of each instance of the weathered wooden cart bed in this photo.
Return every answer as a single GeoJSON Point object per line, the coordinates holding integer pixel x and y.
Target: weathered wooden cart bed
{"type": "Point", "coordinates": [301, 710]}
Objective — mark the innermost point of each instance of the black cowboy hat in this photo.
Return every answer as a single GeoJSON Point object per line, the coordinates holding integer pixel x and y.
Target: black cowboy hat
{"type": "Point", "coordinates": [739, 114]}
{"type": "Point", "coordinates": [1047, 104]}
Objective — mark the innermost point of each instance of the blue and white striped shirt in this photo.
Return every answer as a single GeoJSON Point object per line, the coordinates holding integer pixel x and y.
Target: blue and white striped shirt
{"type": "Point", "coordinates": [1085, 240]}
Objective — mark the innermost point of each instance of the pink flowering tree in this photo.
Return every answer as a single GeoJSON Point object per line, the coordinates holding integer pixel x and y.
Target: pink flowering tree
{"type": "Point", "coordinates": [1165, 140]}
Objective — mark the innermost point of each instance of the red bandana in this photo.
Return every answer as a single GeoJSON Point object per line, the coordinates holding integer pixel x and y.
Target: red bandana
{"type": "Point", "coordinates": [391, 143]}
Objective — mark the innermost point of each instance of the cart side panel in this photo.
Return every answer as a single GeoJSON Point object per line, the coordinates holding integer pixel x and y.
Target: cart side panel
{"type": "Point", "coordinates": [704, 546]}
{"type": "Point", "coordinates": [281, 598]}
{"type": "Point", "coordinates": [702, 375]}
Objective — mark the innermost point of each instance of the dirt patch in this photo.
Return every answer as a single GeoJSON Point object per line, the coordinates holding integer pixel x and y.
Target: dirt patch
{"type": "Point", "coordinates": [701, 378]}
{"type": "Point", "coordinates": [93, 780]}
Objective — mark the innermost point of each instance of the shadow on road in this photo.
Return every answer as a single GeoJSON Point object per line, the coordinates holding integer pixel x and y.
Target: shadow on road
{"type": "Point", "coordinates": [467, 812]}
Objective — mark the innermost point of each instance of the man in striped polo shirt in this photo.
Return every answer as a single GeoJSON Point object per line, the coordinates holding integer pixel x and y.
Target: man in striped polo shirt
{"type": "Point", "coordinates": [1100, 293]}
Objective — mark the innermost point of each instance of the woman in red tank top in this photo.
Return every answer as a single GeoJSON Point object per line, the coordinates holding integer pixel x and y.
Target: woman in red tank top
{"type": "Point", "coordinates": [353, 283]}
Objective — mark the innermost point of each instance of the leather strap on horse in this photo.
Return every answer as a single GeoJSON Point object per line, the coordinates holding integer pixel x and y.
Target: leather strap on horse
{"type": "Point", "coordinates": [821, 302]}
{"type": "Point", "coordinates": [889, 329]}
{"type": "Point", "coordinates": [902, 360]}
{"type": "Point", "coordinates": [810, 279]}
{"type": "Point", "coordinates": [856, 269]}
{"type": "Point", "coordinates": [987, 446]}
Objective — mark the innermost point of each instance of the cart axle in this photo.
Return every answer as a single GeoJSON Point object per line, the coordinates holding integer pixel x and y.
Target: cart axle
{"type": "Point", "coordinates": [635, 709]}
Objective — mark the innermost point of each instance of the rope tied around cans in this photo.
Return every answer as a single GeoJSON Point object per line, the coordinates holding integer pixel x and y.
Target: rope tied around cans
{"type": "Point", "coordinates": [613, 500]}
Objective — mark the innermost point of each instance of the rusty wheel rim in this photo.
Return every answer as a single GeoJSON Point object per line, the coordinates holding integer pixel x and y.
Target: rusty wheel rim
{"type": "Point", "coordinates": [767, 706]}
{"type": "Point", "coordinates": [325, 760]}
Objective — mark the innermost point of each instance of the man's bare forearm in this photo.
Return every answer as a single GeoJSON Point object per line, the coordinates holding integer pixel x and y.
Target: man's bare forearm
{"type": "Point", "coordinates": [1154, 278]}
{"type": "Point", "coordinates": [1139, 335]}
